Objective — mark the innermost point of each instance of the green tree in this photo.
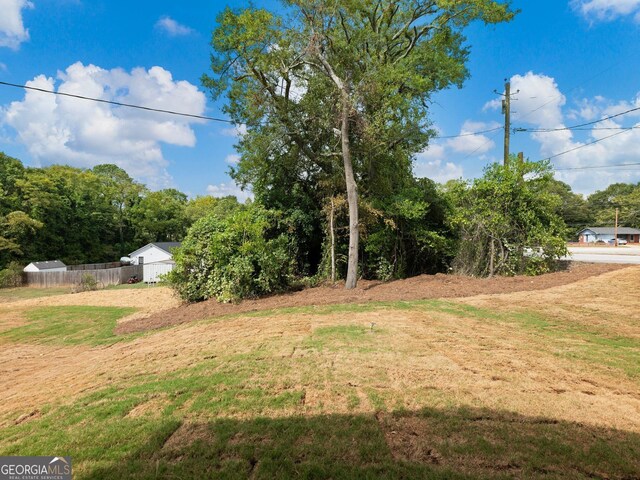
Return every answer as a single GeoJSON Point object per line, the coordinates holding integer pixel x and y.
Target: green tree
{"type": "Point", "coordinates": [160, 217]}
{"type": "Point", "coordinates": [603, 203]}
{"type": "Point", "coordinates": [203, 206]}
{"type": "Point", "coordinates": [630, 208]}
{"type": "Point", "coordinates": [76, 215]}
{"type": "Point", "coordinates": [367, 69]}
{"type": "Point", "coordinates": [11, 170]}
{"type": "Point", "coordinates": [122, 193]}
{"type": "Point", "coordinates": [573, 208]}
{"type": "Point", "coordinates": [508, 221]}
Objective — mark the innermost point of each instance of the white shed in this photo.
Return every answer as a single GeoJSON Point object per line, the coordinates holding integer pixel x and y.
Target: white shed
{"type": "Point", "coordinates": [157, 259]}
{"type": "Point", "coordinates": [48, 266]}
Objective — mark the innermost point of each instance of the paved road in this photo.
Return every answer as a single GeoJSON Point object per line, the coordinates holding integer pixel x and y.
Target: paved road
{"type": "Point", "coordinates": [624, 255]}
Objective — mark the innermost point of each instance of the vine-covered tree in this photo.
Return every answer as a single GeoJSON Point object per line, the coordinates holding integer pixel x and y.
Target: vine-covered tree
{"type": "Point", "coordinates": [508, 221]}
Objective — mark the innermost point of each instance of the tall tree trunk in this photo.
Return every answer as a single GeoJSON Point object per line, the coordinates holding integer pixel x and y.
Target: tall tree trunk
{"type": "Point", "coordinates": [333, 241]}
{"type": "Point", "coordinates": [352, 196]}
{"type": "Point", "coordinates": [344, 87]}
{"type": "Point", "coordinates": [492, 257]}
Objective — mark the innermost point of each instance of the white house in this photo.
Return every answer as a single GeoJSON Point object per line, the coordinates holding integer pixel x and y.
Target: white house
{"type": "Point", "coordinates": [48, 266]}
{"type": "Point", "coordinates": [157, 259]}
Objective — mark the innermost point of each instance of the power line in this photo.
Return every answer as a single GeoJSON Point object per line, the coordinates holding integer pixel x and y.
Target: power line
{"type": "Point", "coordinates": [583, 146]}
{"type": "Point", "coordinates": [469, 134]}
{"type": "Point", "coordinates": [582, 124]}
{"type": "Point", "coordinates": [182, 114]}
{"type": "Point", "coordinates": [592, 167]}
{"type": "Point", "coordinates": [120, 104]}
{"type": "Point", "coordinates": [547, 130]}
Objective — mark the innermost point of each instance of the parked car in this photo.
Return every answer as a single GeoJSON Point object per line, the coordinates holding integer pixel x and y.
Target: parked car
{"type": "Point", "coordinates": [620, 241]}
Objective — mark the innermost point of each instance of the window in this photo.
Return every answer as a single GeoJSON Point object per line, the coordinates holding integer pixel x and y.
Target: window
{"type": "Point", "coordinates": [140, 260]}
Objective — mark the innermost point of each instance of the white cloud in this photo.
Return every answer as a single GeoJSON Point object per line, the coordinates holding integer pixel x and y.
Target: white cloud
{"type": "Point", "coordinates": [431, 164]}
{"type": "Point", "coordinates": [234, 131]}
{"type": "Point", "coordinates": [607, 10]}
{"type": "Point", "coordinates": [539, 101]}
{"type": "Point", "coordinates": [3, 67]}
{"type": "Point", "coordinates": [232, 159]}
{"type": "Point", "coordinates": [226, 189]}
{"type": "Point", "coordinates": [173, 28]}
{"type": "Point", "coordinates": [539, 105]}
{"type": "Point", "coordinates": [12, 31]}
{"type": "Point", "coordinates": [473, 143]}
{"type": "Point", "coordinates": [83, 133]}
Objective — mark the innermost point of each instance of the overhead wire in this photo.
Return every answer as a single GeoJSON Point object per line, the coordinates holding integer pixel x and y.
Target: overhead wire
{"type": "Point", "coordinates": [594, 167]}
{"type": "Point", "coordinates": [190, 115]}
{"type": "Point", "coordinates": [583, 146]}
{"type": "Point", "coordinates": [119, 104]}
{"type": "Point", "coordinates": [574, 127]}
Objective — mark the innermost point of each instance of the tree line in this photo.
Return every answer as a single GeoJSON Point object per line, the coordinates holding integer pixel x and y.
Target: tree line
{"type": "Point", "coordinates": [87, 215]}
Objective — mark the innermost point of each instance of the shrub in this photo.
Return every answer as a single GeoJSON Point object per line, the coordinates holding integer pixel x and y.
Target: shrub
{"type": "Point", "coordinates": [87, 283]}
{"type": "Point", "coordinates": [233, 257]}
{"type": "Point", "coordinates": [11, 276]}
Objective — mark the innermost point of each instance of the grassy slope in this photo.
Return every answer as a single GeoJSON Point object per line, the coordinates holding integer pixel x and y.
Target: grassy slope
{"type": "Point", "coordinates": [25, 293]}
{"type": "Point", "coordinates": [233, 415]}
{"type": "Point", "coordinates": [69, 325]}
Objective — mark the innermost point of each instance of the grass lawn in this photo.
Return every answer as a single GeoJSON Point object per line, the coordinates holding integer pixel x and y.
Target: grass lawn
{"type": "Point", "coordinates": [68, 325]}
{"type": "Point", "coordinates": [26, 293]}
{"type": "Point", "coordinates": [425, 389]}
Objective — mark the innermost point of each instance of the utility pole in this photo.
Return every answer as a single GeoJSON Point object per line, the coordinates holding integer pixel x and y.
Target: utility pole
{"type": "Point", "coordinates": [506, 111]}
{"type": "Point", "coordinates": [615, 230]}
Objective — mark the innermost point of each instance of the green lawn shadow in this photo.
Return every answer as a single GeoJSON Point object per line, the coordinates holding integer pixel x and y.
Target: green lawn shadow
{"type": "Point", "coordinates": [463, 443]}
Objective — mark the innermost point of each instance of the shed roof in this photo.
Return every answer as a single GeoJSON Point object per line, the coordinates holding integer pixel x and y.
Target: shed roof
{"type": "Point", "coordinates": [165, 246]}
{"type": "Point", "coordinates": [612, 230]}
{"type": "Point", "coordinates": [49, 264]}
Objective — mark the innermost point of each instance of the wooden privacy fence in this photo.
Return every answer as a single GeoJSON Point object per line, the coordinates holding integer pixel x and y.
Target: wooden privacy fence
{"type": "Point", "coordinates": [109, 276]}
{"type": "Point", "coordinates": [95, 266]}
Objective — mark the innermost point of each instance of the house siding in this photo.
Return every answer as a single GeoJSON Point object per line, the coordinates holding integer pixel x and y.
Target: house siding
{"type": "Point", "coordinates": [151, 254]}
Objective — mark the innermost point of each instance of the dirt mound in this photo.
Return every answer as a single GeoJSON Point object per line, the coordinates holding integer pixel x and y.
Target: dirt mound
{"type": "Point", "coordinates": [416, 288]}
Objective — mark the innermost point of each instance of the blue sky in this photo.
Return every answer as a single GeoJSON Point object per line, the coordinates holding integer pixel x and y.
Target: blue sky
{"type": "Point", "coordinates": [574, 61]}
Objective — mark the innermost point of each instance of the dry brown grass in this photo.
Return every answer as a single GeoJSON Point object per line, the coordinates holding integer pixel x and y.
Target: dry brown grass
{"type": "Point", "coordinates": [449, 385]}
{"type": "Point", "coordinates": [412, 358]}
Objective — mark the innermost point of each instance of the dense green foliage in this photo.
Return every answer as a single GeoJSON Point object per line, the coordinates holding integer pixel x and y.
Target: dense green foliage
{"type": "Point", "coordinates": [336, 102]}
{"type": "Point", "coordinates": [87, 216]}
{"type": "Point", "coordinates": [234, 256]}
{"type": "Point", "coordinates": [508, 221]}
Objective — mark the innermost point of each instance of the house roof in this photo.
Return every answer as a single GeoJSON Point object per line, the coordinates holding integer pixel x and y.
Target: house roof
{"type": "Point", "coordinates": [612, 230]}
{"type": "Point", "coordinates": [49, 264]}
{"type": "Point", "coordinates": [165, 246]}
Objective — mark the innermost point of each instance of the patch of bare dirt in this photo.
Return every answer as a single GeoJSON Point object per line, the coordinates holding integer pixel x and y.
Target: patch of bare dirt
{"type": "Point", "coordinates": [152, 407]}
{"type": "Point", "coordinates": [11, 318]}
{"type": "Point", "coordinates": [187, 434]}
{"type": "Point", "coordinates": [416, 288]}
{"type": "Point", "coordinates": [26, 417]}
{"type": "Point", "coordinates": [405, 437]}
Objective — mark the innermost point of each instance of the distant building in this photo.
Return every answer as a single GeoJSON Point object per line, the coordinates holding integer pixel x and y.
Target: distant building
{"type": "Point", "coordinates": [48, 266]}
{"type": "Point", "coordinates": [604, 234]}
{"type": "Point", "coordinates": [157, 259]}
